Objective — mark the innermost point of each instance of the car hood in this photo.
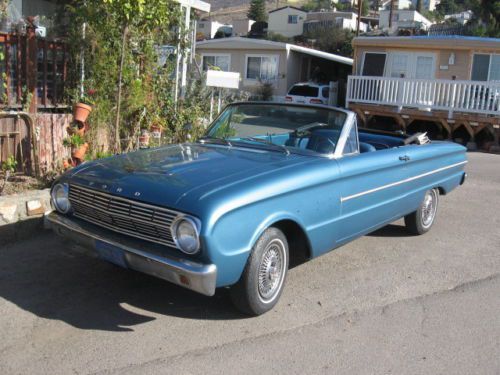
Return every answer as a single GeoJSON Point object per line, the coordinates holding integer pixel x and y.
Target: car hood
{"type": "Point", "coordinates": [166, 175]}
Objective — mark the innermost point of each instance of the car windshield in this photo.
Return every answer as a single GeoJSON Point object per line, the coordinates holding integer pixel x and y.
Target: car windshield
{"type": "Point", "coordinates": [279, 127]}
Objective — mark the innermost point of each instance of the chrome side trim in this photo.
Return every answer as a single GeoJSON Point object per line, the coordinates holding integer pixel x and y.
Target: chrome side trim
{"type": "Point", "coordinates": [349, 197]}
{"type": "Point", "coordinates": [192, 275]}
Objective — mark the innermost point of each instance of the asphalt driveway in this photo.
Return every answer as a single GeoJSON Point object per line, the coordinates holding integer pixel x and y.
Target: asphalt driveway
{"type": "Point", "coordinates": [386, 303]}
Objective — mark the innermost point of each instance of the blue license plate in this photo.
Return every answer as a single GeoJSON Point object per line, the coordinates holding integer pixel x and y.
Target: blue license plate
{"type": "Point", "coordinates": [111, 253]}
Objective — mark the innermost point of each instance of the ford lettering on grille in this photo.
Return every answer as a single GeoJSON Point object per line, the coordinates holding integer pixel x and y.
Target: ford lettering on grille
{"type": "Point", "coordinates": [123, 215]}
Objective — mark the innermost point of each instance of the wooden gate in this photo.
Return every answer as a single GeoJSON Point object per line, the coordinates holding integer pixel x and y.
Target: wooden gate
{"type": "Point", "coordinates": [15, 139]}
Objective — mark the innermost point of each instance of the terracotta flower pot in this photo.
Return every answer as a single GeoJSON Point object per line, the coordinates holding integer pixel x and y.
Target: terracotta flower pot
{"type": "Point", "coordinates": [156, 131]}
{"type": "Point", "coordinates": [143, 140]}
{"type": "Point", "coordinates": [81, 112]}
{"type": "Point", "coordinates": [79, 152]}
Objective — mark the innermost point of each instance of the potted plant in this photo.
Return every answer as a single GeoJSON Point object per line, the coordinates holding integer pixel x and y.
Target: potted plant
{"type": "Point", "coordinates": [144, 139]}
{"type": "Point", "coordinates": [78, 146]}
{"type": "Point", "coordinates": [82, 109]}
{"type": "Point", "coordinates": [77, 127]}
{"type": "Point", "coordinates": [156, 126]}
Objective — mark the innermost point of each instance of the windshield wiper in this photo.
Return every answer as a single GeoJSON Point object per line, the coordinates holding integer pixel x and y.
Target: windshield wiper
{"type": "Point", "coordinates": [216, 141]}
{"type": "Point", "coordinates": [268, 143]}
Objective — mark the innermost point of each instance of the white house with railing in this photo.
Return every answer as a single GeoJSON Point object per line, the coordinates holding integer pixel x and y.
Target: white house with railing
{"type": "Point", "coordinates": [449, 83]}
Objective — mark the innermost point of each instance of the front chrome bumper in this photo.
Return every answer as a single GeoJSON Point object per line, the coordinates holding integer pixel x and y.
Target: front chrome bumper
{"type": "Point", "coordinates": [198, 277]}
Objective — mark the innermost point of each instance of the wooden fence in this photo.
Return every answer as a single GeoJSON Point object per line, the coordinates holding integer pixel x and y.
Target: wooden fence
{"type": "Point", "coordinates": [18, 138]}
{"type": "Point", "coordinates": [40, 60]}
{"type": "Point", "coordinates": [34, 68]}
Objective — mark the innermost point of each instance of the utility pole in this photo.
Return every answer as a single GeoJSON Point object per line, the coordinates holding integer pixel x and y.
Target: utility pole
{"type": "Point", "coordinates": [390, 13]}
{"type": "Point", "coordinates": [360, 2]}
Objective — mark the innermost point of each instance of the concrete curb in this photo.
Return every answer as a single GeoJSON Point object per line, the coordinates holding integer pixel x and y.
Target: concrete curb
{"type": "Point", "coordinates": [22, 214]}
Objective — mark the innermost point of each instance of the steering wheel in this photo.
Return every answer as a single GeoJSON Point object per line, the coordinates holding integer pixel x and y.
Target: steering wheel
{"type": "Point", "coordinates": [320, 143]}
{"type": "Point", "coordinates": [309, 127]}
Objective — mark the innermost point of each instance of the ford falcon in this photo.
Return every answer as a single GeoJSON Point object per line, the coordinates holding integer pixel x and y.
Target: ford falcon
{"type": "Point", "coordinates": [268, 186]}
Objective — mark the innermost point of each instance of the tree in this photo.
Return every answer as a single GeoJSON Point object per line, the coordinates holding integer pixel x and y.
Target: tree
{"type": "Point", "coordinates": [334, 40]}
{"type": "Point", "coordinates": [487, 18]}
{"type": "Point", "coordinates": [315, 5]}
{"type": "Point", "coordinates": [419, 6]}
{"type": "Point", "coordinates": [122, 51]}
{"type": "Point", "coordinates": [447, 7]}
{"type": "Point", "coordinates": [257, 11]}
{"type": "Point", "coordinates": [365, 7]}
{"type": "Point", "coordinates": [344, 7]}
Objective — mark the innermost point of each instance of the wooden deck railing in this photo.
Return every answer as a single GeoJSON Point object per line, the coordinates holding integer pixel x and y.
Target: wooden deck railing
{"type": "Point", "coordinates": [48, 68]}
{"type": "Point", "coordinates": [446, 95]}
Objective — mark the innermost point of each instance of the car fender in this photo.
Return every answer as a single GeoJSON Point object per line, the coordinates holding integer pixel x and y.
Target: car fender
{"type": "Point", "coordinates": [230, 253]}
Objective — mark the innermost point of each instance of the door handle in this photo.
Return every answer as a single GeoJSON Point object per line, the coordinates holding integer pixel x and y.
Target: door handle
{"type": "Point", "coordinates": [404, 158]}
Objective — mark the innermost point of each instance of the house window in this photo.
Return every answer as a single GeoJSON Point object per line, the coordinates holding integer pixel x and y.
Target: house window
{"type": "Point", "coordinates": [293, 18]}
{"type": "Point", "coordinates": [221, 62]}
{"type": "Point", "coordinates": [424, 67]}
{"type": "Point", "coordinates": [399, 65]}
{"type": "Point", "coordinates": [262, 67]}
{"type": "Point", "coordinates": [374, 64]}
{"type": "Point", "coordinates": [485, 67]}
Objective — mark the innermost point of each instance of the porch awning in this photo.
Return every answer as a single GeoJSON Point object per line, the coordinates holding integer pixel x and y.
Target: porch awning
{"type": "Point", "coordinates": [320, 54]}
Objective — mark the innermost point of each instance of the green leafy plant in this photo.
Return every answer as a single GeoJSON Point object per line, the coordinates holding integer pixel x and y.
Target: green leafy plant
{"type": "Point", "coordinates": [10, 164]}
{"type": "Point", "coordinates": [264, 91]}
{"type": "Point", "coordinates": [103, 154]}
{"type": "Point", "coordinates": [8, 167]}
{"type": "Point", "coordinates": [88, 97]}
{"type": "Point", "coordinates": [122, 62]}
{"type": "Point", "coordinates": [73, 141]}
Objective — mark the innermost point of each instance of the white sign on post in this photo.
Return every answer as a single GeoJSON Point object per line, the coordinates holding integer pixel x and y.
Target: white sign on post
{"type": "Point", "coordinates": [221, 80]}
{"type": "Point", "coordinates": [227, 80]}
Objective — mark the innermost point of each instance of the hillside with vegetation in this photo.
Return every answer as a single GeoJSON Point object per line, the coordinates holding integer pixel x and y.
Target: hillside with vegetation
{"type": "Point", "coordinates": [486, 19]}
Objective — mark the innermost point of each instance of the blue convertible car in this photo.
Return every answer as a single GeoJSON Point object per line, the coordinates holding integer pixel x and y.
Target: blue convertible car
{"type": "Point", "coordinates": [269, 185]}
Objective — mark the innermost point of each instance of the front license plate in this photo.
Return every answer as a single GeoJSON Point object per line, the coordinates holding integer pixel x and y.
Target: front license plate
{"type": "Point", "coordinates": [110, 253]}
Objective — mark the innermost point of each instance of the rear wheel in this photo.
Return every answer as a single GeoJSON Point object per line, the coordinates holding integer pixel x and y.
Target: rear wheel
{"type": "Point", "coordinates": [420, 221]}
{"type": "Point", "coordinates": [261, 283]}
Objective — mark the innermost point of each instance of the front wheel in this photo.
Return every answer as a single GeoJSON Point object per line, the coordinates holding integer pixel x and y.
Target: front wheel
{"type": "Point", "coordinates": [261, 283]}
{"type": "Point", "coordinates": [420, 221]}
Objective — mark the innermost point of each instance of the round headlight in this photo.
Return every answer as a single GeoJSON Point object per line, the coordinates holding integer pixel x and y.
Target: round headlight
{"type": "Point", "coordinates": [186, 236]}
{"type": "Point", "coordinates": [60, 198]}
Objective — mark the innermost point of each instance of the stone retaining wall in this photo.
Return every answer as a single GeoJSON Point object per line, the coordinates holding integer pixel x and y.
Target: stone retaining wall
{"type": "Point", "coordinates": [21, 214]}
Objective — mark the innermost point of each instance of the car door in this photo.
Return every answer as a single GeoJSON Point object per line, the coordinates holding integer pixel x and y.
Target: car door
{"type": "Point", "coordinates": [371, 189]}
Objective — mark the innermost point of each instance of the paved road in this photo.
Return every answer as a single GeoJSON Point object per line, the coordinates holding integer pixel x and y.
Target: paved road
{"type": "Point", "coordinates": [387, 303]}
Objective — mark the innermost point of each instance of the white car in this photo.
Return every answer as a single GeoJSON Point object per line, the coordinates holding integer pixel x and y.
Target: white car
{"type": "Point", "coordinates": [309, 93]}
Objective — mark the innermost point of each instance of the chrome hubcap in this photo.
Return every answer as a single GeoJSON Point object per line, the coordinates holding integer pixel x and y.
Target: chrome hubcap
{"type": "Point", "coordinates": [429, 207]}
{"type": "Point", "coordinates": [271, 270]}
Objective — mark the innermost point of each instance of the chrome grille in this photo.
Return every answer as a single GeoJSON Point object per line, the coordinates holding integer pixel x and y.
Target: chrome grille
{"type": "Point", "coordinates": [123, 215]}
